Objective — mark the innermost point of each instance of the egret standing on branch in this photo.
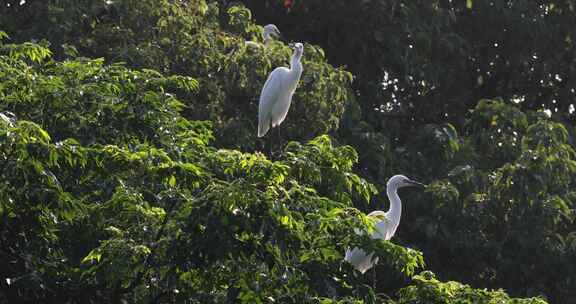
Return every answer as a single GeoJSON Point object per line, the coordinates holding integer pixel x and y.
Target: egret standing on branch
{"type": "Point", "coordinates": [386, 223]}
{"type": "Point", "coordinates": [270, 31]}
{"type": "Point", "coordinates": [277, 92]}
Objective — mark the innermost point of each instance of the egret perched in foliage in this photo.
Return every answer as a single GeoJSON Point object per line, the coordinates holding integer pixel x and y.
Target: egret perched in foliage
{"type": "Point", "coordinates": [386, 223]}
{"type": "Point", "coordinates": [270, 31]}
{"type": "Point", "coordinates": [277, 92]}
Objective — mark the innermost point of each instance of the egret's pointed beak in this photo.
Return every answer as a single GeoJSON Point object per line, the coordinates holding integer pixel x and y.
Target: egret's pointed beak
{"type": "Point", "coordinates": [416, 184]}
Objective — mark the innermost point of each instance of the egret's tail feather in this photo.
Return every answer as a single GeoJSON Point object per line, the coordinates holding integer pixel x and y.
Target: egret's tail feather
{"type": "Point", "coordinates": [360, 260]}
{"type": "Point", "coordinates": [263, 129]}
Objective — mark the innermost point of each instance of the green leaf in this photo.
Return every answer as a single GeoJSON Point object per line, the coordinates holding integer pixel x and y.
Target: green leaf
{"type": "Point", "coordinates": [172, 181]}
{"type": "Point", "coordinates": [94, 255]}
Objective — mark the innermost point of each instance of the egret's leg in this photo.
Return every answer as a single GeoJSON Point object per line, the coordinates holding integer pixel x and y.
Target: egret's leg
{"type": "Point", "coordinates": [270, 141]}
{"type": "Point", "coordinates": [279, 141]}
{"type": "Point", "coordinates": [374, 278]}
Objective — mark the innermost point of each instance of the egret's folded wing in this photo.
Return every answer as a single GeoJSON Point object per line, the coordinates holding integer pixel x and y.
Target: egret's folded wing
{"type": "Point", "coordinates": [268, 97]}
{"type": "Point", "coordinates": [381, 230]}
{"type": "Point", "coordinates": [381, 226]}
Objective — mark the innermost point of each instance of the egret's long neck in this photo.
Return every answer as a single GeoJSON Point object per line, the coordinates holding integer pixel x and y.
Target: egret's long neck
{"type": "Point", "coordinates": [266, 37]}
{"type": "Point", "coordinates": [296, 65]}
{"type": "Point", "coordinates": [395, 211]}
{"type": "Point", "coordinates": [295, 71]}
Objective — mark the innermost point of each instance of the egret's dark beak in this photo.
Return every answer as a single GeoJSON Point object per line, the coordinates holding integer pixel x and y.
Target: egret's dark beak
{"type": "Point", "coordinates": [280, 37]}
{"type": "Point", "coordinates": [416, 184]}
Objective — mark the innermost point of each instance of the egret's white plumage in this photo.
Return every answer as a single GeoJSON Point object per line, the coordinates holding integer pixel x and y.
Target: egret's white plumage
{"type": "Point", "coordinates": [270, 31]}
{"type": "Point", "coordinates": [385, 226]}
{"type": "Point", "coordinates": [277, 92]}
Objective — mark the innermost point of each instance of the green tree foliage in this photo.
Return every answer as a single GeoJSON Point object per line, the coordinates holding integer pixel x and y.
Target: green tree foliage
{"type": "Point", "coordinates": [501, 171]}
{"type": "Point", "coordinates": [503, 215]}
{"type": "Point", "coordinates": [140, 207]}
{"type": "Point", "coordinates": [433, 60]}
{"type": "Point", "coordinates": [186, 38]}
{"type": "Point", "coordinates": [499, 209]}
{"type": "Point", "coordinates": [427, 289]}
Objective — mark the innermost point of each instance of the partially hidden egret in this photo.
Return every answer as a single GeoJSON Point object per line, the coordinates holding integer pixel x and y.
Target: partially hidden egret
{"type": "Point", "coordinates": [270, 31]}
{"type": "Point", "coordinates": [386, 223]}
{"type": "Point", "coordinates": [277, 92]}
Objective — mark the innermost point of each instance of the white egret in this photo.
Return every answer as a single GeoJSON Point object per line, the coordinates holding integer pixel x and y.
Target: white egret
{"type": "Point", "coordinates": [270, 31]}
{"type": "Point", "coordinates": [277, 92]}
{"type": "Point", "coordinates": [386, 223]}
